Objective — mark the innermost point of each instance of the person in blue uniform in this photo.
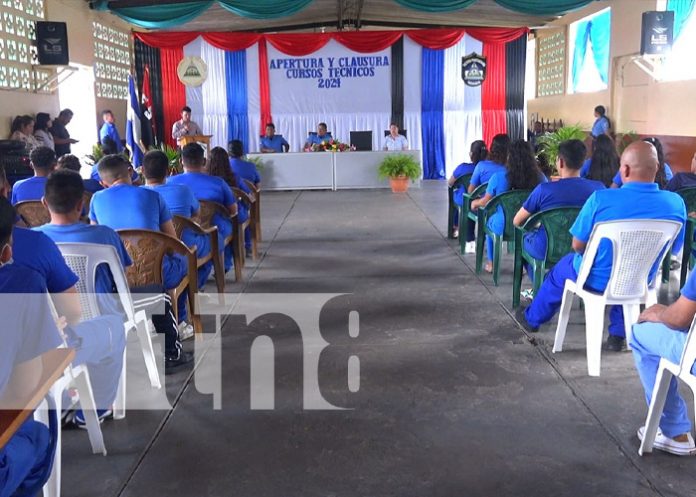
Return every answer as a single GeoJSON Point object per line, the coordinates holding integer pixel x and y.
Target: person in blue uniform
{"type": "Point", "coordinates": [494, 163]}
{"type": "Point", "coordinates": [181, 202]}
{"type": "Point", "coordinates": [603, 166]}
{"type": "Point", "coordinates": [602, 124]}
{"type": "Point", "coordinates": [28, 331]}
{"type": "Point", "coordinates": [43, 161]}
{"type": "Point", "coordinates": [640, 198]}
{"type": "Point", "coordinates": [522, 174]}
{"type": "Point", "coordinates": [64, 201]}
{"type": "Point", "coordinates": [570, 191]}
{"type": "Point", "coordinates": [683, 180]}
{"type": "Point", "coordinates": [477, 153]}
{"type": "Point", "coordinates": [272, 143]}
{"type": "Point", "coordinates": [661, 333]}
{"type": "Point", "coordinates": [72, 163]}
{"type": "Point", "coordinates": [109, 129]}
{"type": "Point", "coordinates": [241, 168]}
{"type": "Point", "coordinates": [210, 188]}
{"type": "Point", "coordinates": [321, 136]}
{"type": "Point", "coordinates": [664, 172]}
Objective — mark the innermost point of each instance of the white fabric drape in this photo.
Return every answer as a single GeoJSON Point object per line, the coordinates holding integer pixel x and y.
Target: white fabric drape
{"type": "Point", "coordinates": [412, 93]}
{"type": "Point", "coordinates": [215, 96]}
{"type": "Point", "coordinates": [254, 97]}
{"type": "Point", "coordinates": [461, 105]}
{"type": "Point", "coordinates": [194, 94]}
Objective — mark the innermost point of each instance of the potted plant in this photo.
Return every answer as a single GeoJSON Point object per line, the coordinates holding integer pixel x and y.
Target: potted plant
{"type": "Point", "coordinates": [400, 169]}
{"type": "Point", "coordinates": [173, 158]}
{"type": "Point", "coordinates": [550, 142]}
{"type": "Point", "coordinates": [257, 161]}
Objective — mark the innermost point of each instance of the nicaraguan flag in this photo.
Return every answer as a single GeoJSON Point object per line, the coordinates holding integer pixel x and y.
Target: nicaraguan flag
{"type": "Point", "coordinates": [133, 130]}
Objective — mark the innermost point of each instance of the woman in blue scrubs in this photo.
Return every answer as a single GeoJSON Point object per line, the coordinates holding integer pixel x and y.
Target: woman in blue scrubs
{"type": "Point", "coordinates": [477, 153]}
{"type": "Point", "coordinates": [604, 163]}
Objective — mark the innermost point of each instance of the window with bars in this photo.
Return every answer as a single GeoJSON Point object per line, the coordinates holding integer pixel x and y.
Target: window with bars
{"type": "Point", "coordinates": [18, 46]}
{"type": "Point", "coordinates": [111, 61]}
{"type": "Point", "coordinates": [551, 51]}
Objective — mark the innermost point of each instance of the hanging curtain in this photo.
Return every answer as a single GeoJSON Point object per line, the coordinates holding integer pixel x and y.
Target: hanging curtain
{"type": "Point", "coordinates": [436, 39]}
{"type": "Point", "coordinates": [253, 95]}
{"type": "Point", "coordinates": [496, 35]}
{"type": "Point", "coordinates": [397, 83]}
{"type": "Point", "coordinates": [413, 54]}
{"type": "Point", "coordinates": [435, 5]}
{"type": "Point", "coordinates": [582, 36]}
{"type": "Point", "coordinates": [231, 41]}
{"type": "Point", "coordinates": [173, 92]}
{"type": "Point", "coordinates": [515, 66]}
{"type": "Point", "coordinates": [432, 114]}
{"type": "Point", "coordinates": [146, 55]}
{"type": "Point", "coordinates": [543, 7]}
{"type": "Point", "coordinates": [682, 11]}
{"type": "Point", "coordinates": [215, 118]}
{"type": "Point", "coordinates": [264, 9]}
{"type": "Point", "coordinates": [237, 101]}
{"type": "Point", "coordinates": [166, 40]}
{"type": "Point", "coordinates": [367, 41]}
{"type": "Point", "coordinates": [158, 16]}
{"type": "Point", "coordinates": [194, 94]}
{"type": "Point", "coordinates": [493, 115]}
{"type": "Point", "coordinates": [298, 44]}
{"type": "Point", "coordinates": [600, 35]}
{"type": "Point", "coordinates": [264, 86]}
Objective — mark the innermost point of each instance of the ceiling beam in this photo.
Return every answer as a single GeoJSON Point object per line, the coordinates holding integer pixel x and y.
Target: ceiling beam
{"type": "Point", "coordinates": [359, 14]}
{"type": "Point", "coordinates": [340, 15]}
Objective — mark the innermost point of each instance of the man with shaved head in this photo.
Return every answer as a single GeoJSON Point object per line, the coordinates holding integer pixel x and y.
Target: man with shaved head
{"type": "Point", "coordinates": [640, 198]}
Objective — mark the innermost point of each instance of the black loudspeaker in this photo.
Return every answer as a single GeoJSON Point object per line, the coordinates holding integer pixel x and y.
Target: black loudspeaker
{"type": "Point", "coordinates": [52, 43]}
{"type": "Point", "coordinates": [657, 32]}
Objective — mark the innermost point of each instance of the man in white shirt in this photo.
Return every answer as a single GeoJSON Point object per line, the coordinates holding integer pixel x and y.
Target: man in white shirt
{"type": "Point", "coordinates": [395, 141]}
{"type": "Point", "coordinates": [185, 126]}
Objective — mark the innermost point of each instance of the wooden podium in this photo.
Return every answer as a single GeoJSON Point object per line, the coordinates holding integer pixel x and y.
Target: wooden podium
{"type": "Point", "coordinates": [202, 139]}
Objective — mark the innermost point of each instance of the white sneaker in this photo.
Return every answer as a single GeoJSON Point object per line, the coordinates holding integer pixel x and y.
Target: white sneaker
{"type": "Point", "coordinates": [666, 444]}
{"type": "Point", "coordinates": [185, 330]}
{"type": "Point", "coordinates": [470, 248]}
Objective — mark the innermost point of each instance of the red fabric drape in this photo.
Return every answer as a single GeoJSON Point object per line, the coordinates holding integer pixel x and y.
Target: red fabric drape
{"type": "Point", "coordinates": [264, 86]}
{"type": "Point", "coordinates": [298, 44]}
{"type": "Point", "coordinates": [496, 35]}
{"type": "Point", "coordinates": [173, 91]}
{"type": "Point", "coordinates": [493, 114]}
{"type": "Point", "coordinates": [232, 41]}
{"type": "Point", "coordinates": [436, 39]}
{"type": "Point", "coordinates": [166, 39]}
{"type": "Point", "coordinates": [367, 41]}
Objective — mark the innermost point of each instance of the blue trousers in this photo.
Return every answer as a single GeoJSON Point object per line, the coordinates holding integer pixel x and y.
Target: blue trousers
{"type": "Point", "coordinates": [243, 216]}
{"type": "Point", "coordinates": [470, 227]}
{"type": "Point", "coordinates": [224, 230]}
{"type": "Point", "coordinates": [650, 342]}
{"type": "Point", "coordinates": [203, 248]}
{"type": "Point", "coordinates": [548, 301]}
{"type": "Point", "coordinates": [99, 343]}
{"type": "Point", "coordinates": [24, 459]}
{"type": "Point", "coordinates": [534, 244]}
{"type": "Point", "coordinates": [175, 268]}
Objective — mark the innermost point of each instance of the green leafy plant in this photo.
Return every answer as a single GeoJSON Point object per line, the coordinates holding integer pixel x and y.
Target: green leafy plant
{"type": "Point", "coordinates": [96, 155]}
{"type": "Point", "coordinates": [550, 142]}
{"type": "Point", "coordinates": [173, 158]}
{"type": "Point", "coordinates": [257, 161]}
{"type": "Point", "coordinates": [396, 165]}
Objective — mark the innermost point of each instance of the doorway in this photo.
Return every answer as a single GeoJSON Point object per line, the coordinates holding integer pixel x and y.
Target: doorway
{"type": "Point", "coordinates": [78, 94]}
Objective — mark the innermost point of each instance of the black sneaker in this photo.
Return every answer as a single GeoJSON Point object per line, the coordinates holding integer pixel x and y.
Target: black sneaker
{"type": "Point", "coordinates": [248, 252]}
{"type": "Point", "coordinates": [614, 344]}
{"type": "Point", "coordinates": [173, 363]}
{"type": "Point", "coordinates": [522, 319]}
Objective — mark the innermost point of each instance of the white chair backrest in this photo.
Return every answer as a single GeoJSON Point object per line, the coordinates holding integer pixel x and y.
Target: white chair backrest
{"type": "Point", "coordinates": [84, 259]}
{"type": "Point", "coordinates": [637, 246]}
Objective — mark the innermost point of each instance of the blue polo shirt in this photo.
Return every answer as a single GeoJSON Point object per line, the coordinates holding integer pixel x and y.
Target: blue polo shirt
{"type": "Point", "coordinates": [245, 170]}
{"type": "Point", "coordinates": [129, 207]}
{"type": "Point", "coordinates": [276, 143]}
{"type": "Point", "coordinates": [179, 198]}
{"type": "Point", "coordinates": [205, 187]}
{"type": "Point", "coordinates": [110, 130]}
{"type": "Point", "coordinates": [633, 201]}
{"type": "Point", "coordinates": [36, 251]}
{"type": "Point", "coordinates": [499, 184]}
{"type": "Point", "coordinates": [29, 189]}
{"type": "Point", "coordinates": [459, 171]}
{"type": "Point", "coordinates": [316, 139]}
{"type": "Point", "coordinates": [484, 170]}
{"type": "Point", "coordinates": [600, 126]}
{"type": "Point", "coordinates": [568, 192]}
{"type": "Point", "coordinates": [681, 180]}
{"type": "Point", "coordinates": [668, 174]}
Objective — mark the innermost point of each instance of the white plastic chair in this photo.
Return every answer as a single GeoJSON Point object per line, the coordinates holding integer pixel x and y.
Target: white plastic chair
{"type": "Point", "coordinates": [665, 372]}
{"type": "Point", "coordinates": [637, 245]}
{"type": "Point", "coordinates": [83, 259]}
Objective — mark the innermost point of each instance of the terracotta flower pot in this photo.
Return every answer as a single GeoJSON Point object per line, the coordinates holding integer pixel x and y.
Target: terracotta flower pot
{"type": "Point", "coordinates": [399, 184]}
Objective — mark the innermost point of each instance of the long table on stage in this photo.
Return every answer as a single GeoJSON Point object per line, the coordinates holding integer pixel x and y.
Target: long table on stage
{"type": "Point", "coordinates": [325, 170]}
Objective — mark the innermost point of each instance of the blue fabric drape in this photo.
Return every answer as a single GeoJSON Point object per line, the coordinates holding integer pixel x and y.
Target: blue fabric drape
{"type": "Point", "coordinates": [682, 11]}
{"type": "Point", "coordinates": [158, 16]}
{"type": "Point", "coordinates": [264, 9]}
{"type": "Point", "coordinates": [582, 36]}
{"type": "Point", "coordinates": [237, 106]}
{"type": "Point", "coordinates": [533, 7]}
{"type": "Point", "coordinates": [600, 36]}
{"type": "Point", "coordinates": [432, 117]}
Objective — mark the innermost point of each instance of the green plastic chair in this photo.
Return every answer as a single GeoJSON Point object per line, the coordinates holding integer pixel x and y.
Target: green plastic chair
{"type": "Point", "coordinates": [510, 202]}
{"type": "Point", "coordinates": [687, 258]}
{"type": "Point", "coordinates": [689, 197]}
{"type": "Point", "coordinates": [465, 214]}
{"type": "Point", "coordinates": [462, 181]}
{"type": "Point", "coordinates": [556, 223]}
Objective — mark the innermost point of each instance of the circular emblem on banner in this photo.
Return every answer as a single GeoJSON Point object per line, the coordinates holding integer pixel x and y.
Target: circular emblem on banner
{"type": "Point", "coordinates": [192, 71]}
{"type": "Point", "coordinates": [473, 69]}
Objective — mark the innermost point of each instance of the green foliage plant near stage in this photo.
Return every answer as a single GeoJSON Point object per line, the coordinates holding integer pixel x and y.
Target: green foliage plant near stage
{"type": "Point", "coordinates": [399, 165]}
{"type": "Point", "coordinates": [550, 142]}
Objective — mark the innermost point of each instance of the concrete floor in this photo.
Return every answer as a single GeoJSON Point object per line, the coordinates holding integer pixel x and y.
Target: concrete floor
{"type": "Point", "coordinates": [454, 399]}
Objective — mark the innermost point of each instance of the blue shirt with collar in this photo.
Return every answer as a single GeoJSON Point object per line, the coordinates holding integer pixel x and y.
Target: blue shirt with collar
{"type": "Point", "coordinates": [276, 143]}
{"type": "Point", "coordinates": [634, 201]}
{"type": "Point", "coordinates": [566, 192]}
{"type": "Point", "coordinates": [496, 185]}
{"type": "Point", "coordinates": [129, 207]}
{"type": "Point", "coordinates": [484, 170]}
{"type": "Point", "coordinates": [110, 130]}
{"type": "Point", "coordinates": [28, 189]}
{"type": "Point", "coordinates": [205, 187]}
{"type": "Point", "coordinates": [681, 180]}
{"type": "Point", "coordinates": [459, 171]}
{"type": "Point", "coordinates": [600, 126]}
{"type": "Point", "coordinates": [179, 198]}
{"type": "Point", "coordinates": [245, 170]}
{"type": "Point", "coordinates": [315, 139]}
{"type": "Point", "coordinates": [619, 182]}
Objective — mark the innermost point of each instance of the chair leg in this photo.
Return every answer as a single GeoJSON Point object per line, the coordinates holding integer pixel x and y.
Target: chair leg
{"type": "Point", "coordinates": [539, 272]}
{"type": "Point", "coordinates": [480, 246]}
{"type": "Point", "coordinates": [630, 315]}
{"type": "Point", "coordinates": [257, 224]}
{"type": "Point", "coordinates": [143, 330]}
{"type": "Point", "coordinates": [594, 329]}
{"type": "Point", "coordinates": [175, 305]}
{"type": "Point", "coordinates": [463, 228]}
{"type": "Point", "coordinates": [236, 261]}
{"type": "Point", "coordinates": [665, 268]}
{"type": "Point", "coordinates": [657, 405]}
{"type": "Point", "coordinates": [497, 249]}
{"type": "Point", "coordinates": [120, 401]}
{"type": "Point", "coordinates": [89, 409]}
{"type": "Point", "coordinates": [52, 487]}
{"type": "Point", "coordinates": [219, 269]}
{"type": "Point", "coordinates": [563, 316]}
{"type": "Point", "coordinates": [517, 277]}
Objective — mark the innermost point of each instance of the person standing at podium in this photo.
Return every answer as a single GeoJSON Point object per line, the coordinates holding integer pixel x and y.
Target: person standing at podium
{"type": "Point", "coordinates": [185, 126]}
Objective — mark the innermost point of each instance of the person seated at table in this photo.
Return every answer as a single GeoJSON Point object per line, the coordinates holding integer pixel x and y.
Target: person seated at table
{"type": "Point", "coordinates": [661, 332]}
{"type": "Point", "coordinates": [494, 163]}
{"type": "Point", "coordinates": [124, 206]}
{"type": "Point", "coordinates": [43, 162]}
{"type": "Point", "coordinates": [181, 202]}
{"type": "Point", "coordinates": [72, 163]}
{"type": "Point", "coordinates": [522, 174]}
{"type": "Point", "coordinates": [477, 153]}
{"type": "Point", "coordinates": [317, 138]}
{"type": "Point", "coordinates": [640, 198]}
{"type": "Point", "coordinates": [664, 172]}
{"type": "Point", "coordinates": [683, 180]}
{"type": "Point", "coordinates": [243, 169]}
{"type": "Point", "coordinates": [28, 331]}
{"type": "Point", "coordinates": [272, 143]}
{"type": "Point", "coordinates": [219, 166]}
{"type": "Point", "coordinates": [394, 141]}
{"type": "Point", "coordinates": [604, 163]}
{"type": "Point", "coordinates": [210, 188]}
{"type": "Point", "coordinates": [570, 191]}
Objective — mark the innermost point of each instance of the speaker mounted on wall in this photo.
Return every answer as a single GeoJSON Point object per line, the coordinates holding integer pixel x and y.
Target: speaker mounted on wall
{"type": "Point", "coordinates": [657, 32]}
{"type": "Point", "coordinates": [52, 43]}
